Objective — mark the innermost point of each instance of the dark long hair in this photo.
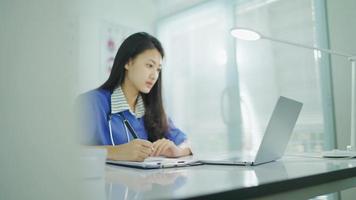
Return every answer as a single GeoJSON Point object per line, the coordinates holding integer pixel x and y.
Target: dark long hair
{"type": "Point", "coordinates": [155, 117]}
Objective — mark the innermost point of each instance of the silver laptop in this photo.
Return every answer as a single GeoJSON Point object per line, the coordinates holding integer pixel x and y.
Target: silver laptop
{"type": "Point", "coordinates": [275, 139]}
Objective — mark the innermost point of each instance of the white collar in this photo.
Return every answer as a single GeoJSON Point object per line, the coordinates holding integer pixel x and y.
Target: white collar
{"type": "Point", "coordinates": [119, 103]}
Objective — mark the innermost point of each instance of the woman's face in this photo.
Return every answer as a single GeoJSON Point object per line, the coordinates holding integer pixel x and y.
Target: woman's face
{"type": "Point", "coordinates": [143, 71]}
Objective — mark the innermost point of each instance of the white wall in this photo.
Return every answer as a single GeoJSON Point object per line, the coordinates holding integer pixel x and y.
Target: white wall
{"type": "Point", "coordinates": [38, 55]}
{"type": "Point", "coordinates": [341, 18]}
{"type": "Point", "coordinates": [139, 15]}
{"type": "Point", "coordinates": [42, 45]}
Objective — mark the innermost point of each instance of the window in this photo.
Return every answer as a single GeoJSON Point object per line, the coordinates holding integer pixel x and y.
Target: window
{"type": "Point", "coordinates": [198, 75]}
{"type": "Point", "coordinates": [269, 69]}
{"type": "Point", "coordinates": [222, 95]}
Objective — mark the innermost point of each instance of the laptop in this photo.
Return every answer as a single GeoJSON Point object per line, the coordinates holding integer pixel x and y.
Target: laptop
{"type": "Point", "coordinates": [275, 139]}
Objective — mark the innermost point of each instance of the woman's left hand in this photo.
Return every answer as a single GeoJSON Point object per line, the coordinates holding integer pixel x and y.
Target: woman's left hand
{"type": "Point", "coordinates": [164, 147]}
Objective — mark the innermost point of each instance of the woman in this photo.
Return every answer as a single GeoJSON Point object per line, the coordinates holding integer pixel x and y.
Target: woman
{"type": "Point", "coordinates": [125, 115]}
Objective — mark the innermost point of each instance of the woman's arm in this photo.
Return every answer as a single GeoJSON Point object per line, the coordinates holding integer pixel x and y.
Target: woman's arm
{"type": "Point", "coordinates": [175, 143]}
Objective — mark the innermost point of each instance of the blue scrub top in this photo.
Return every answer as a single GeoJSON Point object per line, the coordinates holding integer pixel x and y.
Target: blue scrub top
{"type": "Point", "coordinates": [95, 109]}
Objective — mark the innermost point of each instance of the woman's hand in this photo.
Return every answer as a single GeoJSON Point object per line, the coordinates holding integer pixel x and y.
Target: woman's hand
{"type": "Point", "coordinates": [164, 147]}
{"type": "Point", "coordinates": [135, 150]}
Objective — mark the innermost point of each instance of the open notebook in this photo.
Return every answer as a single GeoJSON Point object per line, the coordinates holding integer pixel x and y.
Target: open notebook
{"type": "Point", "coordinates": [158, 162]}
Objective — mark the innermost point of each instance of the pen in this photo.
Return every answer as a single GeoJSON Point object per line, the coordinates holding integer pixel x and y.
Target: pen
{"type": "Point", "coordinates": [132, 131]}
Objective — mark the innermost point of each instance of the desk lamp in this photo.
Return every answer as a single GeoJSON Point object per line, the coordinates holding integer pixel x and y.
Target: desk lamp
{"type": "Point", "coordinates": [252, 35]}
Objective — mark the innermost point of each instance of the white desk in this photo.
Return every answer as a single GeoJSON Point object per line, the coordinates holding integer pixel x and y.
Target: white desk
{"type": "Point", "coordinates": [296, 177]}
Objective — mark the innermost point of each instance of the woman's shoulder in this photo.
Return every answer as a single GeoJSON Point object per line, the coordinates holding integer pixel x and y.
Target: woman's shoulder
{"type": "Point", "coordinates": [96, 96]}
{"type": "Point", "coordinates": [97, 93]}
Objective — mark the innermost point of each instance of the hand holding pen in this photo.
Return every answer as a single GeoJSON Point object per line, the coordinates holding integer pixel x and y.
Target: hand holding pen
{"type": "Point", "coordinates": [135, 150]}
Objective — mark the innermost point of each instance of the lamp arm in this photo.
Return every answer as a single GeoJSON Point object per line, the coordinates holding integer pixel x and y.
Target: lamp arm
{"type": "Point", "coordinates": [352, 59]}
{"type": "Point", "coordinates": [308, 47]}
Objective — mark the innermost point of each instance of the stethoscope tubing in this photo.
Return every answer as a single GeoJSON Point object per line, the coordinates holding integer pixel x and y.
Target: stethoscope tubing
{"type": "Point", "coordinates": [124, 122]}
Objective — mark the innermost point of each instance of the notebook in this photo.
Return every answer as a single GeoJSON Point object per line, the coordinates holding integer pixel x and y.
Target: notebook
{"type": "Point", "coordinates": [158, 162]}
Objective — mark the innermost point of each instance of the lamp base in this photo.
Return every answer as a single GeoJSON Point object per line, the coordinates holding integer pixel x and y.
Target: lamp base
{"type": "Point", "coordinates": [335, 153]}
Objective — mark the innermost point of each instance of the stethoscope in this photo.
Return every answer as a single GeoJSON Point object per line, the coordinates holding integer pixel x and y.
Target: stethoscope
{"type": "Point", "coordinates": [127, 125]}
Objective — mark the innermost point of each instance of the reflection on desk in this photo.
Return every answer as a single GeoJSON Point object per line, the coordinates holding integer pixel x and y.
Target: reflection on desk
{"type": "Point", "coordinates": [300, 177]}
{"type": "Point", "coordinates": [130, 183]}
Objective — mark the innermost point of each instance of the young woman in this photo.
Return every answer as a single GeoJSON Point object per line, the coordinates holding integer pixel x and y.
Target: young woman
{"type": "Point", "coordinates": [125, 115]}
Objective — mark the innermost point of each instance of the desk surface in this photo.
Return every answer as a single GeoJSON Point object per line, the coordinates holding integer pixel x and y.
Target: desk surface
{"type": "Point", "coordinates": [218, 181]}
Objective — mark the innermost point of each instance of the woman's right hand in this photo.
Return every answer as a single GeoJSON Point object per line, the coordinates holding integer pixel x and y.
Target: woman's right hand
{"type": "Point", "coordinates": [135, 150]}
